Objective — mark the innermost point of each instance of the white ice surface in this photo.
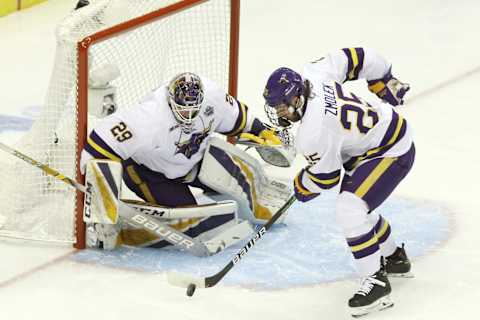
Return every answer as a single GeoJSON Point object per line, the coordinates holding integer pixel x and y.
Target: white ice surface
{"type": "Point", "coordinates": [432, 45]}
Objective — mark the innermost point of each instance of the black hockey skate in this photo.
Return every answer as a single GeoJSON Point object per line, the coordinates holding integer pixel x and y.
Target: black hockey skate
{"type": "Point", "coordinates": [373, 295]}
{"type": "Point", "coordinates": [398, 265]}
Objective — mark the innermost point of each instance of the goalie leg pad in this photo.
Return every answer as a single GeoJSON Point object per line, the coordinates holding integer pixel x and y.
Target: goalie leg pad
{"type": "Point", "coordinates": [215, 224]}
{"type": "Point", "coordinates": [103, 181]}
{"type": "Point", "coordinates": [100, 211]}
{"type": "Point", "coordinates": [199, 229]}
{"type": "Point", "coordinates": [232, 172]}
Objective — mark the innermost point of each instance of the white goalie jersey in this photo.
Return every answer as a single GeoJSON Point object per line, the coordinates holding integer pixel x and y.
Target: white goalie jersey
{"type": "Point", "coordinates": [150, 135]}
{"type": "Point", "coordinates": [339, 129]}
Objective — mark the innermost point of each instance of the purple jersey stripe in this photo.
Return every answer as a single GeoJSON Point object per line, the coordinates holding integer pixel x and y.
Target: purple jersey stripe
{"type": "Point", "coordinates": [326, 186]}
{"type": "Point", "coordinates": [350, 62]}
{"type": "Point", "coordinates": [358, 68]}
{"type": "Point", "coordinates": [380, 150]}
{"type": "Point", "coordinates": [301, 188]}
{"type": "Point", "coordinates": [325, 176]}
{"type": "Point", "coordinates": [100, 143]}
{"type": "Point", "coordinates": [355, 62]}
{"type": "Point", "coordinates": [241, 119]}
{"type": "Point", "coordinates": [391, 129]}
{"type": "Point", "coordinates": [325, 180]}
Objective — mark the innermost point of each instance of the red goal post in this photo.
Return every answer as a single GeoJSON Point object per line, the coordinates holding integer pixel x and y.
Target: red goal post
{"type": "Point", "coordinates": [149, 41]}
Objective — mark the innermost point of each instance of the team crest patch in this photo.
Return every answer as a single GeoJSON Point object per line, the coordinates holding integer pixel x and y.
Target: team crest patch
{"type": "Point", "coordinates": [191, 146]}
{"type": "Point", "coordinates": [208, 111]}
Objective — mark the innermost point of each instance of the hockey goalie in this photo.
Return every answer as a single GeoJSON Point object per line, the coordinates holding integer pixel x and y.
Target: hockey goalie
{"type": "Point", "coordinates": [164, 146]}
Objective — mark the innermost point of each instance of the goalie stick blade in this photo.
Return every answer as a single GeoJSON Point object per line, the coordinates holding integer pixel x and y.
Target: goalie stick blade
{"type": "Point", "coordinates": [182, 280]}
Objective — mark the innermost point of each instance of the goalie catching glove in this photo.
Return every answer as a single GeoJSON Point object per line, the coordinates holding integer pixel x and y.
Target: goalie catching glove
{"type": "Point", "coordinates": [274, 146]}
{"type": "Point", "coordinates": [266, 137]}
{"type": "Point", "coordinates": [389, 88]}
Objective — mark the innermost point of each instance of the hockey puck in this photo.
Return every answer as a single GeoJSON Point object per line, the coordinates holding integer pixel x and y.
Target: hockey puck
{"type": "Point", "coordinates": [191, 289]}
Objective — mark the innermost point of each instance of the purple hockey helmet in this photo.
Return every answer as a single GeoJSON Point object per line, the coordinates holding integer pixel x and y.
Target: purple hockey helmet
{"type": "Point", "coordinates": [282, 86]}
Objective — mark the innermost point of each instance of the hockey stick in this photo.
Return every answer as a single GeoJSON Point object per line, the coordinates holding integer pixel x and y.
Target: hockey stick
{"type": "Point", "coordinates": [133, 216]}
{"type": "Point", "coordinates": [191, 282]}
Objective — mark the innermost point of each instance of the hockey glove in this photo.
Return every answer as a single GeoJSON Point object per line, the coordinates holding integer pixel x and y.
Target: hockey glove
{"type": "Point", "coordinates": [266, 137]}
{"type": "Point", "coordinates": [270, 137]}
{"type": "Point", "coordinates": [301, 192]}
{"type": "Point", "coordinates": [389, 89]}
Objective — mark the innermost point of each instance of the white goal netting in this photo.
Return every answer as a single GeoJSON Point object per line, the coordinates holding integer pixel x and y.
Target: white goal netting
{"type": "Point", "coordinates": [36, 206]}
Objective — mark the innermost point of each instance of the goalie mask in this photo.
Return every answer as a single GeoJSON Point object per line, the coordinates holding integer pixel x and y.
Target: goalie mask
{"type": "Point", "coordinates": [285, 88]}
{"type": "Point", "coordinates": [185, 93]}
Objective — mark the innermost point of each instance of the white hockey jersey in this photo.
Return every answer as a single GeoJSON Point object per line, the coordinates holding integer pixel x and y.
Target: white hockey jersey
{"type": "Point", "coordinates": [149, 134]}
{"type": "Point", "coordinates": [339, 129]}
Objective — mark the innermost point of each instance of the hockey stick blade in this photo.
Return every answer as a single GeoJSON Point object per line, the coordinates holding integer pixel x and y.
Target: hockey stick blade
{"type": "Point", "coordinates": [184, 280]}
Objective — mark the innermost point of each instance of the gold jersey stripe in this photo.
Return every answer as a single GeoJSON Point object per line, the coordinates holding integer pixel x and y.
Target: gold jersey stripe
{"type": "Point", "coordinates": [390, 142]}
{"type": "Point", "coordinates": [102, 151]}
{"type": "Point", "coordinates": [300, 187]}
{"type": "Point", "coordinates": [354, 55]}
{"type": "Point", "coordinates": [243, 113]}
{"type": "Point", "coordinates": [326, 181]}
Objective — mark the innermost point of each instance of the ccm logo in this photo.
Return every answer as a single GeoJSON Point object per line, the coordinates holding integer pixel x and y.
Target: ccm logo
{"type": "Point", "coordinates": [161, 231]}
{"type": "Point", "coordinates": [88, 201]}
{"type": "Point", "coordinates": [152, 212]}
{"type": "Point", "coordinates": [249, 245]}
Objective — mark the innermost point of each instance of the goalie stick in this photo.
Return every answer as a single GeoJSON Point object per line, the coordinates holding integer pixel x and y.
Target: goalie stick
{"type": "Point", "coordinates": [133, 216]}
{"type": "Point", "coordinates": [191, 282]}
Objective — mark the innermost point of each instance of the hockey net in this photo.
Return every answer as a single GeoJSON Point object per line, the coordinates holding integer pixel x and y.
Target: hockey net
{"type": "Point", "coordinates": [149, 41]}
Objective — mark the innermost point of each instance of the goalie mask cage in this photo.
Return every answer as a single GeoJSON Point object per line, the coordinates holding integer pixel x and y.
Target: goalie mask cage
{"type": "Point", "coordinates": [149, 41]}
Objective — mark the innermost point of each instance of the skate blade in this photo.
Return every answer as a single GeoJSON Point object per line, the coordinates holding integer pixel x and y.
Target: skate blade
{"type": "Point", "coordinates": [381, 304]}
{"type": "Point", "coordinates": [408, 275]}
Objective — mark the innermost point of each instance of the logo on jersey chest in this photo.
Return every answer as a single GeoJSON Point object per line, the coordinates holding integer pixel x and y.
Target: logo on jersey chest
{"type": "Point", "coordinates": [191, 146]}
{"type": "Point", "coordinates": [208, 111]}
